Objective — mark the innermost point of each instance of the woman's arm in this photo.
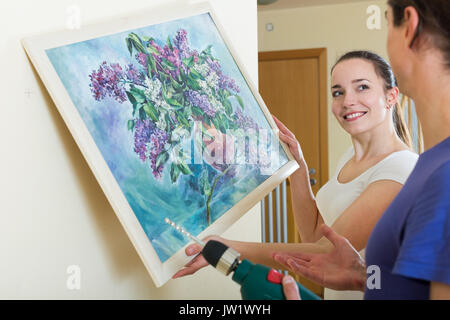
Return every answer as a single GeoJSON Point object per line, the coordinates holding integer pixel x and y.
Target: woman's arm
{"type": "Point", "coordinates": [306, 215]}
{"type": "Point", "coordinates": [358, 220]}
{"type": "Point", "coordinates": [355, 224]}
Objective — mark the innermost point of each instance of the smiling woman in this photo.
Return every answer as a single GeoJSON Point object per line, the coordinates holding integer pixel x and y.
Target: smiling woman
{"type": "Point", "coordinates": [368, 177]}
{"type": "Point", "coordinates": [366, 60]}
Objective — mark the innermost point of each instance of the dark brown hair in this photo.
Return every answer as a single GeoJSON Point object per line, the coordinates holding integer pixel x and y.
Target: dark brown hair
{"type": "Point", "coordinates": [383, 70]}
{"type": "Point", "coordinates": [434, 20]}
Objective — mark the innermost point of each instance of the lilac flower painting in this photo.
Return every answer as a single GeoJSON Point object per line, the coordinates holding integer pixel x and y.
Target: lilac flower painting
{"type": "Point", "coordinates": [171, 113]}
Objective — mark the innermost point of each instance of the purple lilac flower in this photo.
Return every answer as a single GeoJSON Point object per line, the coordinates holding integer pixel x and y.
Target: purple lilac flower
{"type": "Point", "coordinates": [200, 101]}
{"type": "Point", "coordinates": [244, 122]}
{"type": "Point", "coordinates": [142, 135]}
{"type": "Point", "coordinates": [157, 47]}
{"type": "Point", "coordinates": [173, 56]}
{"type": "Point", "coordinates": [147, 135]}
{"type": "Point", "coordinates": [158, 139]}
{"type": "Point", "coordinates": [134, 75]}
{"type": "Point", "coordinates": [225, 82]}
{"type": "Point", "coordinates": [181, 43]}
{"type": "Point", "coordinates": [142, 60]}
{"type": "Point", "coordinates": [107, 82]}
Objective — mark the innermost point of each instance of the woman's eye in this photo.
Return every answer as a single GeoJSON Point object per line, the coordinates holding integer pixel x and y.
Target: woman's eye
{"type": "Point", "coordinates": [335, 94]}
{"type": "Point", "coordinates": [363, 87]}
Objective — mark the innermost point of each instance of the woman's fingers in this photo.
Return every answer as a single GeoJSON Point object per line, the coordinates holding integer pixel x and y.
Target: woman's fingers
{"type": "Point", "coordinates": [193, 249]}
{"type": "Point", "coordinates": [191, 267]}
{"type": "Point", "coordinates": [284, 259]}
{"type": "Point", "coordinates": [282, 127]}
{"type": "Point", "coordinates": [306, 272]}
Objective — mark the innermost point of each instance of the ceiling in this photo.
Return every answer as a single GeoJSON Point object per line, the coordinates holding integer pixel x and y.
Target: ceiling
{"type": "Point", "coordinates": [287, 4]}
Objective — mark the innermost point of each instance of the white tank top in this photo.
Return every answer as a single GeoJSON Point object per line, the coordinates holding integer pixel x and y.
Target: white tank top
{"type": "Point", "coordinates": [335, 197]}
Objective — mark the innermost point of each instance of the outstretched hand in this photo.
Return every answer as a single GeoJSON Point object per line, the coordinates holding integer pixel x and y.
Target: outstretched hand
{"type": "Point", "coordinates": [197, 262]}
{"type": "Point", "coordinates": [341, 269]}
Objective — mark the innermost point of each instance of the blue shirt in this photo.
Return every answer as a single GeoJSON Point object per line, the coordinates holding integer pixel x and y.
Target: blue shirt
{"type": "Point", "coordinates": [411, 242]}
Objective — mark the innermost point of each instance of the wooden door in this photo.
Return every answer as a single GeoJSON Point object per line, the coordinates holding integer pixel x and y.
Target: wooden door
{"type": "Point", "coordinates": [293, 85]}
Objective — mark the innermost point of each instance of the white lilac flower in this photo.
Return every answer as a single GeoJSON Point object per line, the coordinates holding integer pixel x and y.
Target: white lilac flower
{"type": "Point", "coordinates": [161, 123]}
{"type": "Point", "coordinates": [179, 133]}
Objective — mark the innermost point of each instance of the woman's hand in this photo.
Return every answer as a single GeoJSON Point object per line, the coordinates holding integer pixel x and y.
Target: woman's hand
{"type": "Point", "coordinates": [289, 138]}
{"type": "Point", "coordinates": [197, 262]}
{"type": "Point", "coordinates": [340, 269]}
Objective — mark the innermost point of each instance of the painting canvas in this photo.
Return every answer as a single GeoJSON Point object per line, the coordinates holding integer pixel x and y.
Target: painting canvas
{"type": "Point", "coordinates": [169, 123]}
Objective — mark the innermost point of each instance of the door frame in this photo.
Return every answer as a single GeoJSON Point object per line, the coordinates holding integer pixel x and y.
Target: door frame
{"type": "Point", "coordinates": [321, 55]}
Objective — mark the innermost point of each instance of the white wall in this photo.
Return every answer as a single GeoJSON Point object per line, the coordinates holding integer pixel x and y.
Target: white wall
{"type": "Point", "coordinates": [52, 211]}
{"type": "Point", "coordinates": [339, 28]}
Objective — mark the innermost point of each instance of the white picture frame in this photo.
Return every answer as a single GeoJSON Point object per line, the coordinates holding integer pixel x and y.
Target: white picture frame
{"type": "Point", "coordinates": [36, 46]}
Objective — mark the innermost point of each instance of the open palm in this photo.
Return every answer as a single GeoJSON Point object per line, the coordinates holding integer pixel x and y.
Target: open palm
{"type": "Point", "coordinates": [341, 269]}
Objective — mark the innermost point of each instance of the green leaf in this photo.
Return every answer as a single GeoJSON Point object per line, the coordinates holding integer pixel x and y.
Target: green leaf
{"type": "Point", "coordinates": [166, 63]}
{"type": "Point", "coordinates": [151, 111]}
{"type": "Point", "coordinates": [151, 65]}
{"type": "Point", "coordinates": [162, 158]}
{"type": "Point", "coordinates": [174, 172]}
{"type": "Point", "coordinates": [228, 107]}
{"type": "Point", "coordinates": [167, 96]}
{"type": "Point", "coordinates": [163, 77]}
{"type": "Point", "coordinates": [239, 99]}
{"type": "Point", "coordinates": [142, 114]}
{"type": "Point", "coordinates": [176, 85]}
{"type": "Point", "coordinates": [204, 184]}
{"type": "Point", "coordinates": [195, 74]}
{"type": "Point", "coordinates": [152, 49]}
{"type": "Point", "coordinates": [138, 94]}
{"type": "Point", "coordinates": [207, 51]}
{"type": "Point", "coordinates": [131, 124]}
{"type": "Point", "coordinates": [148, 39]}
{"type": "Point", "coordinates": [181, 118]}
{"type": "Point", "coordinates": [184, 168]}
{"type": "Point", "coordinates": [183, 75]}
{"type": "Point", "coordinates": [188, 62]}
{"type": "Point", "coordinates": [133, 101]}
{"type": "Point", "coordinates": [192, 83]}
{"type": "Point", "coordinates": [197, 111]}
{"type": "Point", "coordinates": [169, 43]}
{"type": "Point", "coordinates": [129, 45]}
{"type": "Point", "coordinates": [137, 42]}
{"type": "Point", "coordinates": [169, 120]}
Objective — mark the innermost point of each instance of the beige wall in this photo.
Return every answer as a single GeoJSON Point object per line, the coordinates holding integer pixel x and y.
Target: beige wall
{"type": "Point", "coordinates": [53, 213]}
{"type": "Point", "coordinates": [339, 28]}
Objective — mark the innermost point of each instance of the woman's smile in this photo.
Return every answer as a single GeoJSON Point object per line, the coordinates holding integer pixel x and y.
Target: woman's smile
{"type": "Point", "coordinates": [353, 116]}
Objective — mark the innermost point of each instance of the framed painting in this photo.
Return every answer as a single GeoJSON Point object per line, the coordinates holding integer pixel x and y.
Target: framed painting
{"type": "Point", "coordinates": [165, 115]}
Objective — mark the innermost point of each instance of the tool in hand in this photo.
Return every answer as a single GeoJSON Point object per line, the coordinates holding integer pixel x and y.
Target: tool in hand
{"type": "Point", "coordinates": [258, 282]}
